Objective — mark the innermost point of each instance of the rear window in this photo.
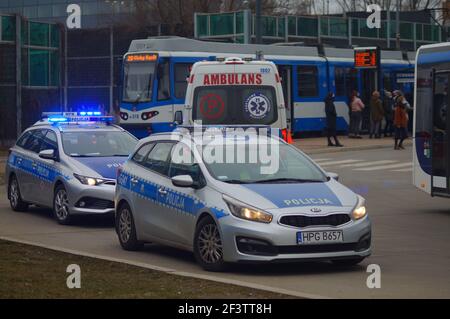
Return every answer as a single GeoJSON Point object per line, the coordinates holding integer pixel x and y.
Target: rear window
{"type": "Point", "coordinates": [235, 105]}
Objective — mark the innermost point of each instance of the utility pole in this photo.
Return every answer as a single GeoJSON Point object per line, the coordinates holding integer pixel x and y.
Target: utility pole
{"type": "Point", "coordinates": [258, 22]}
{"type": "Point", "coordinates": [397, 25]}
{"type": "Point", "coordinates": [388, 24]}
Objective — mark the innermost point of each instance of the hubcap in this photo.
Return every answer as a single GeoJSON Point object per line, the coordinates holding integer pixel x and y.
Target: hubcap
{"type": "Point", "coordinates": [14, 193]}
{"type": "Point", "coordinates": [210, 244]}
{"type": "Point", "coordinates": [125, 225]}
{"type": "Point", "coordinates": [61, 205]}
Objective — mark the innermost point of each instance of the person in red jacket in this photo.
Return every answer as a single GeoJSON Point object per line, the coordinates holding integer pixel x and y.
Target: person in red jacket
{"type": "Point", "coordinates": [400, 123]}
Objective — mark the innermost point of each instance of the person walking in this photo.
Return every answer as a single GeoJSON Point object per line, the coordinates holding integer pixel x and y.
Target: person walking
{"type": "Point", "coordinates": [400, 123]}
{"type": "Point", "coordinates": [376, 115]}
{"type": "Point", "coordinates": [388, 113]}
{"type": "Point", "coordinates": [331, 116]}
{"type": "Point", "coordinates": [357, 107]}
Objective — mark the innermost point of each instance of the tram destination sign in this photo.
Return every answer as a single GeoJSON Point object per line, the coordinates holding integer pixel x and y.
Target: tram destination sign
{"type": "Point", "coordinates": [367, 58]}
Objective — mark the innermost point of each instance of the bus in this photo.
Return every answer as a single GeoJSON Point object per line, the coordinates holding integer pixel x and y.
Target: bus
{"type": "Point", "coordinates": [431, 158]}
{"type": "Point", "coordinates": [155, 72]}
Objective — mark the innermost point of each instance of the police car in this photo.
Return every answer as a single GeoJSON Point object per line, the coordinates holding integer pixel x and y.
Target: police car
{"type": "Point", "coordinates": [171, 192]}
{"type": "Point", "coordinates": [67, 161]}
{"type": "Point", "coordinates": [235, 91]}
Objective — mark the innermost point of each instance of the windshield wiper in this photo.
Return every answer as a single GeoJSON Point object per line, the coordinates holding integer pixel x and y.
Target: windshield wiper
{"type": "Point", "coordinates": [237, 181]}
{"type": "Point", "coordinates": [288, 180]}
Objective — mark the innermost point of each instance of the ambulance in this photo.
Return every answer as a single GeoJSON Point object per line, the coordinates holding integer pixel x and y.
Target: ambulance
{"type": "Point", "coordinates": [235, 91]}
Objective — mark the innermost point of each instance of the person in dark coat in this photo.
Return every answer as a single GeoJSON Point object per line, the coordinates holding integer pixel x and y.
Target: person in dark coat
{"type": "Point", "coordinates": [331, 115]}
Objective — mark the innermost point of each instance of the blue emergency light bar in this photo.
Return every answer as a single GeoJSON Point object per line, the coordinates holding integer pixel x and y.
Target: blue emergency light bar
{"type": "Point", "coordinates": [76, 117]}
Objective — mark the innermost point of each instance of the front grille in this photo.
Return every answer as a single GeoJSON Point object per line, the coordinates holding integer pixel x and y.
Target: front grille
{"type": "Point", "coordinates": [94, 203]}
{"type": "Point", "coordinates": [325, 248]}
{"type": "Point", "coordinates": [305, 221]}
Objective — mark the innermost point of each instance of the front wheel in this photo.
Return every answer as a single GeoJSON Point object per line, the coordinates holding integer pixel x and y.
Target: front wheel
{"type": "Point", "coordinates": [208, 249]}
{"type": "Point", "coordinates": [15, 199]}
{"type": "Point", "coordinates": [61, 206]}
{"type": "Point", "coordinates": [126, 230]}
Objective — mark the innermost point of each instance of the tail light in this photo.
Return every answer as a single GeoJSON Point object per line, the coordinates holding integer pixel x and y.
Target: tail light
{"type": "Point", "coordinates": [286, 135]}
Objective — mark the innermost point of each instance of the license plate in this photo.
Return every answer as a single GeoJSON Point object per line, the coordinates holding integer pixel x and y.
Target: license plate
{"type": "Point", "coordinates": [320, 237]}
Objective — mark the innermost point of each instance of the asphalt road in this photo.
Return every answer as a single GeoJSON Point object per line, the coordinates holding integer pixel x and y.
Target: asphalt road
{"type": "Point", "coordinates": [411, 237]}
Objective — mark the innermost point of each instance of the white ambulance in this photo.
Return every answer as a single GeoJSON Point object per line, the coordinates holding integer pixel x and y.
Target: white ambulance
{"type": "Point", "coordinates": [235, 91]}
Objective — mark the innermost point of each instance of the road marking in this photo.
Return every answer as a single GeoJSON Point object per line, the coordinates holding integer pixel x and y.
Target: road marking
{"type": "Point", "coordinates": [376, 168]}
{"type": "Point", "coordinates": [339, 162]}
{"type": "Point", "coordinates": [171, 271]}
{"type": "Point", "coordinates": [369, 163]}
{"type": "Point", "coordinates": [317, 160]}
{"type": "Point", "coordinates": [404, 170]}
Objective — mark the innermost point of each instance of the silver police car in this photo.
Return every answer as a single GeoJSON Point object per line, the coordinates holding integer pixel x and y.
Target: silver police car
{"type": "Point", "coordinates": [237, 211]}
{"type": "Point", "coordinates": [67, 162]}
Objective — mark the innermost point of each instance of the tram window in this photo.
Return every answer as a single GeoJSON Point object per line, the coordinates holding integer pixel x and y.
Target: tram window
{"type": "Point", "coordinates": [307, 81]}
{"type": "Point", "coordinates": [339, 80]}
{"type": "Point", "coordinates": [182, 71]}
{"type": "Point", "coordinates": [345, 80]}
{"type": "Point", "coordinates": [164, 80]}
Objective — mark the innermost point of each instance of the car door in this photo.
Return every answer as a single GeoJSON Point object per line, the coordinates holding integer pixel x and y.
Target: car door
{"type": "Point", "coordinates": [140, 192]}
{"type": "Point", "coordinates": [152, 188]}
{"type": "Point", "coordinates": [34, 184]}
{"type": "Point", "coordinates": [184, 202]}
{"type": "Point", "coordinates": [47, 169]}
{"type": "Point", "coordinates": [21, 161]}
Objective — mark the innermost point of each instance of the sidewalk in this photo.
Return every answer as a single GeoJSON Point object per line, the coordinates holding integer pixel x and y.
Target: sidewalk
{"type": "Point", "coordinates": [317, 145]}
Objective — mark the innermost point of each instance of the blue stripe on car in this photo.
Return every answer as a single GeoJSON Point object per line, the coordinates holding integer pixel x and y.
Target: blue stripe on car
{"type": "Point", "coordinates": [173, 199]}
{"type": "Point", "coordinates": [294, 195]}
{"type": "Point", "coordinates": [42, 171]}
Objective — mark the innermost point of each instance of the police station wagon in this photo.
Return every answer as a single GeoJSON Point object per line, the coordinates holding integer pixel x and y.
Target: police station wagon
{"type": "Point", "coordinates": [68, 162]}
{"type": "Point", "coordinates": [237, 211]}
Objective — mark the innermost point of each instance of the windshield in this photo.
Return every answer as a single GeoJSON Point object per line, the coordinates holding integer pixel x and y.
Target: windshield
{"type": "Point", "coordinates": [98, 143]}
{"type": "Point", "coordinates": [235, 105]}
{"type": "Point", "coordinates": [138, 81]}
{"type": "Point", "coordinates": [277, 163]}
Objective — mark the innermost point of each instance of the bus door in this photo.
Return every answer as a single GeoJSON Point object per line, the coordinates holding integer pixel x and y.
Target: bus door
{"type": "Point", "coordinates": [286, 83]}
{"type": "Point", "coordinates": [440, 139]}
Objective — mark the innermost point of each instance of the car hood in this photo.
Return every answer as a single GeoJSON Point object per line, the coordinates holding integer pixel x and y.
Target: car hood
{"type": "Point", "coordinates": [328, 196]}
{"type": "Point", "coordinates": [106, 167]}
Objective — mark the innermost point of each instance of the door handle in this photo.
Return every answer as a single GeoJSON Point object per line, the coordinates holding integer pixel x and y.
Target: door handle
{"type": "Point", "coordinates": [134, 180]}
{"type": "Point", "coordinates": [162, 191]}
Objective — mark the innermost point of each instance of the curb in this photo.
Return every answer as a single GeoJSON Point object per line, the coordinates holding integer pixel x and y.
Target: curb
{"type": "Point", "coordinates": [171, 271]}
{"type": "Point", "coordinates": [349, 149]}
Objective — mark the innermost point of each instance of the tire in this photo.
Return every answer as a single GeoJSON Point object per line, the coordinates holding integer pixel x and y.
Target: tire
{"type": "Point", "coordinates": [126, 229]}
{"type": "Point", "coordinates": [208, 249]}
{"type": "Point", "coordinates": [15, 198]}
{"type": "Point", "coordinates": [348, 262]}
{"type": "Point", "coordinates": [61, 206]}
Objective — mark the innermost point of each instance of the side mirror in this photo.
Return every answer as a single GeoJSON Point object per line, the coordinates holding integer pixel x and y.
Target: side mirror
{"type": "Point", "coordinates": [178, 118]}
{"type": "Point", "coordinates": [47, 154]}
{"type": "Point", "coordinates": [334, 176]}
{"type": "Point", "coordinates": [183, 181]}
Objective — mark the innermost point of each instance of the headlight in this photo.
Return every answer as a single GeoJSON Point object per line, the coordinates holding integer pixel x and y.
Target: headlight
{"type": "Point", "coordinates": [91, 181]}
{"type": "Point", "coordinates": [244, 211]}
{"type": "Point", "coordinates": [360, 210]}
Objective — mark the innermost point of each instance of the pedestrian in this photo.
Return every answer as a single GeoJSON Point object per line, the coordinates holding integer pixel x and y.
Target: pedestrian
{"type": "Point", "coordinates": [388, 106]}
{"type": "Point", "coordinates": [331, 116]}
{"type": "Point", "coordinates": [376, 115]}
{"type": "Point", "coordinates": [357, 107]}
{"type": "Point", "coordinates": [400, 123]}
